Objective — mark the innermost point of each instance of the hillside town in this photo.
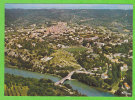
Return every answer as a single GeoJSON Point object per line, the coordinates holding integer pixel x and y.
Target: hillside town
{"type": "Point", "coordinates": [63, 47]}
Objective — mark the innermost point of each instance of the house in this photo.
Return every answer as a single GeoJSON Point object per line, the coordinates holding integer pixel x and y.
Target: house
{"type": "Point", "coordinates": [130, 51]}
{"type": "Point", "coordinates": [124, 67]}
{"type": "Point", "coordinates": [117, 55]}
{"type": "Point", "coordinates": [34, 44]}
{"type": "Point", "coordinates": [19, 46]}
{"type": "Point", "coordinates": [100, 44]}
{"type": "Point", "coordinates": [46, 59]}
{"type": "Point", "coordinates": [104, 76]}
{"type": "Point", "coordinates": [96, 69]}
{"type": "Point", "coordinates": [119, 43]}
{"type": "Point", "coordinates": [130, 57]}
{"type": "Point", "coordinates": [126, 86]}
{"type": "Point", "coordinates": [98, 74]}
{"type": "Point", "coordinates": [125, 41]}
{"type": "Point", "coordinates": [115, 60]}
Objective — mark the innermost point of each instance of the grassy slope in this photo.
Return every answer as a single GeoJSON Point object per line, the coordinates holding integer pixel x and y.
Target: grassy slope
{"type": "Point", "coordinates": [64, 58]}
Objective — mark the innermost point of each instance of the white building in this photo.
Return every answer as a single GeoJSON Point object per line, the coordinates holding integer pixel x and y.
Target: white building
{"type": "Point", "coordinates": [104, 76]}
{"type": "Point", "coordinates": [124, 67]}
{"type": "Point", "coordinates": [46, 58]}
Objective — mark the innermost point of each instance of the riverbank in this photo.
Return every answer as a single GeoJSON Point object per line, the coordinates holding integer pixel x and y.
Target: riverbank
{"type": "Point", "coordinates": [25, 69]}
{"type": "Point", "coordinates": [76, 85]}
{"type": "Point", "coordinates": [60, 77]}
{"type": "Point", "coordinates": [98, 88]}
{"type": "Point", "coordinates": [22, 86]}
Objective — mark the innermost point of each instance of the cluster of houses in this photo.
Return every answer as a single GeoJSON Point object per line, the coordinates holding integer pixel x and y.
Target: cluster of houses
{"type": "Point", "coordinates": [61, 27]}
{"type": "Point", "coordinates": [113, 57]}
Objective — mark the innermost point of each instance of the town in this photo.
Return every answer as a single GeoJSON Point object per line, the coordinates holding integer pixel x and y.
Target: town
{"type": "Point", "coordinates": [96, 43]}
{"type": "Point", "coordinates": [84, 48]}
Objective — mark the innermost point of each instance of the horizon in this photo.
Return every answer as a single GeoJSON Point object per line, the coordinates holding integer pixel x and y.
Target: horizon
{"type": "Point", "coordinates": [70, 6]}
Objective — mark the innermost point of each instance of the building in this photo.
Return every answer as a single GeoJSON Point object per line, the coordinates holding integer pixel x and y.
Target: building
{"type": "Point", "coordinates": [125, 41]}
{"type": "Point", "coordinates": [126, 86]}
{"type": "Point", "coordinates": [46, 58]}
{"type": "Point", "coordinates": [104, 76]}
{"type": "Point", "coordinates": [19, 46]}
{"type": "Point", "coordinates": [124, 67]}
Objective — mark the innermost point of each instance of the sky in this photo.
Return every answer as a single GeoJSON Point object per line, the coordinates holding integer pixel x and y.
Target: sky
{"type": "Point", "coordinates": [69, 6]}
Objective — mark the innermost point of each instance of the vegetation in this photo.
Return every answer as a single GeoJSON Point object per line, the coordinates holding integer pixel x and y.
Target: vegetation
{"type": "Point", "coordinates": [88, 42]}
{"type": "Point", "coordinates": [64, 58]}
{"type": "Point", "coordinates": [14, 90]}
{"type": "Point", "coordinates": [75, 50]}
{"type": "Point", "coordinates": [117, 18]}
{"type": "Point", "coordinates": [92, 81]}
{"type": "Point", "coordinates": [20, 86]}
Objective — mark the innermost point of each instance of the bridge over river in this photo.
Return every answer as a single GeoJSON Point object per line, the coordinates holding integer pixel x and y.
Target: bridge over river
{"type": "Point", "coordinates": [68, 77]}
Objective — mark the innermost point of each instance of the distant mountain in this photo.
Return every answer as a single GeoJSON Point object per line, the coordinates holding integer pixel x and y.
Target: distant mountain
{"type": "Point", "coordinates": [94, 17]}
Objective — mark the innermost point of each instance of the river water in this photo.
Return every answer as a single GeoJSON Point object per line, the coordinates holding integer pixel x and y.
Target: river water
{"type": "Point", "coordinates": [76, 85]}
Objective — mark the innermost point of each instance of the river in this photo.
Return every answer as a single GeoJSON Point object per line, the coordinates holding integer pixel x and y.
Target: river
{"type": "Point", "coordinates": [75, 84]}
